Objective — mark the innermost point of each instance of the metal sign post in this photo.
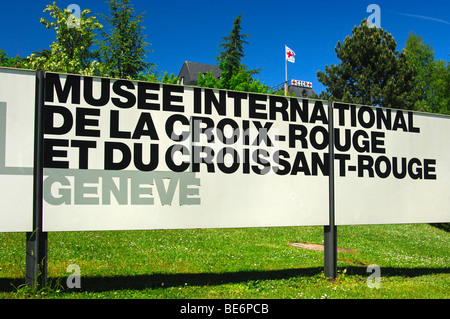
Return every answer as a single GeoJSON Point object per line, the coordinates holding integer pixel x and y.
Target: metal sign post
{"type": "Point", "coordinates": [36, 244]}
{"type": "Point", "coordinates": [330, 231]}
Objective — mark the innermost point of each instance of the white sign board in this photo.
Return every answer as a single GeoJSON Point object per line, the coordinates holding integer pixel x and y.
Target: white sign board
{"type": "Point", "coordinates": [125, 155]}
{"type": "Point", "coordinates": [392, 166]}
{"type": "Point", "coordinates": [135, 155]}
{"type": "Point", "coordinates": [301, 83]}
{"type": "Point", "coordinates": [17, 105]}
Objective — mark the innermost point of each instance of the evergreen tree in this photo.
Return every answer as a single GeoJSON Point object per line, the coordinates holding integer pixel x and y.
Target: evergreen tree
{"type": "Point", "coordinates": [231, 55]}
{"type": "Point", "coordinates": [123, 50]}
{"type": "Point", "coordinates": [234, 74]}
{"type": "Point", "coordinates": [371, 70]}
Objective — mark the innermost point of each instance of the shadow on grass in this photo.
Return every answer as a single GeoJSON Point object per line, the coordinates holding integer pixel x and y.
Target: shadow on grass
{"type": "Point", "coordinates": [140, 282]}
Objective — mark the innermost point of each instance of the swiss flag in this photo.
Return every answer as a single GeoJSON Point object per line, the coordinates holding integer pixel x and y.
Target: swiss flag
{"type": "Point", "coordinates": [290, 55]}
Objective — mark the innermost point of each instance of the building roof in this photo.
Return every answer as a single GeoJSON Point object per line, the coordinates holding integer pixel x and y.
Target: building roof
{"type": "Point", "coordinates": [190, 70]}
{"type": "Point", "coordinates": [299, 91]}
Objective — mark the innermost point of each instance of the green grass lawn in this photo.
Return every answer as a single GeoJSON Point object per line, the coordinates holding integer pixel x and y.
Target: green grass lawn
{"type": "Point", "coordinates": [235, 263]}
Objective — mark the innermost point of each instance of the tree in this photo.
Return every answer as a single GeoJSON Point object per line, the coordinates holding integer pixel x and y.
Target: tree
{"type": "Point", "coordinates": [207, 80]}
{"type": "Point", "coordinates": [431, 91]}
{"type": "Point", "coordinates": [123, 50]}
{"type": "Point", "coordinates": [172, 79]}
{"type": "Point", "coordinates": [233, 51]}
{"type": "Point", "coordinates": [241, 81]}
{"type": "Point", "coordinates": [234, 74]}
{"type": "Point", "coordinates": [232, 70]}
{"type": "Point", "coordinates": [14, 62]}
{"type": "Point", "coordinates": [371, 70]}
{"type": "Point", "coordinates": [70, 52]}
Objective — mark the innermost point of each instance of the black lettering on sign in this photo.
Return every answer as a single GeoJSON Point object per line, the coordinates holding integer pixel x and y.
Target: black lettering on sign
{"type": "Point", "coordinates": [130, 98]}
{"type": "Point", "coordinates": [53, 85]}
{"type": "Point", "coordinates": [238, 97]}
{"type": "Point", "coordinates": [169, 96]}
{"type": "Point", "coordinates": [50, 112]}
{"type": "Point", "coordinates": [83, 149]}
{"type": "Point", "coordinates": [84, 119]}
{"type": "Point", "coordinates": [219, 104]}
{"type": "Point", "coordinates": [144, 96]}
{"type": "Point", "coordinates": [255, 107]}
{"type": "Point", "coordinates": [88, 92]}
{"type": "Point", "coordinates": [50, 153]}
{"type": "Point", "coordinates": [170, 127]}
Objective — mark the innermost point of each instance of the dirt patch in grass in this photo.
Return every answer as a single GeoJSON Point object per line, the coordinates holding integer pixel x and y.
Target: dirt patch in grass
{"type": "Point", "coordinates": [317, 247]}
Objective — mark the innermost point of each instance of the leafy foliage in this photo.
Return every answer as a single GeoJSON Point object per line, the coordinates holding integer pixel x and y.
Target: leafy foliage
{"type": "Point", "coordinates": [70, 53]}
{"type": "Point", "coordinates": [432, 77]}
{"type": "Point", "coordinates": [207, 80]}
{"type": "Point", "coordinates": [241, 81]}
{"type": "Point", "coordinates": [13, 62]}
{"type": "Point", "coordinates": [172, 79]}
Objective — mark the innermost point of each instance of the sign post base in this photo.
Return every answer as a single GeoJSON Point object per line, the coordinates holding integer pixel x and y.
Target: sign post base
{"type": "Point", "coordinates": [330, 252]}
{"type": "Point", "coordinates": [36, 260]}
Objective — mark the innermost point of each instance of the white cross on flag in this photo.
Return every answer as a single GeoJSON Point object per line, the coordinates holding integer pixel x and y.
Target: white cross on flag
{"type": "Point", "coordinates": [290, 55]}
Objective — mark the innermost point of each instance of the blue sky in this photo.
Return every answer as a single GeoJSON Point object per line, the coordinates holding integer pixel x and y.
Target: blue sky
{"type": "Point", "coordinates": [191, 30]}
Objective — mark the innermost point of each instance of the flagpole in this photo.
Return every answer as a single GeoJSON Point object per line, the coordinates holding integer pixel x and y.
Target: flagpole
{"type": "Point", "coordinates": [285, 68]}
